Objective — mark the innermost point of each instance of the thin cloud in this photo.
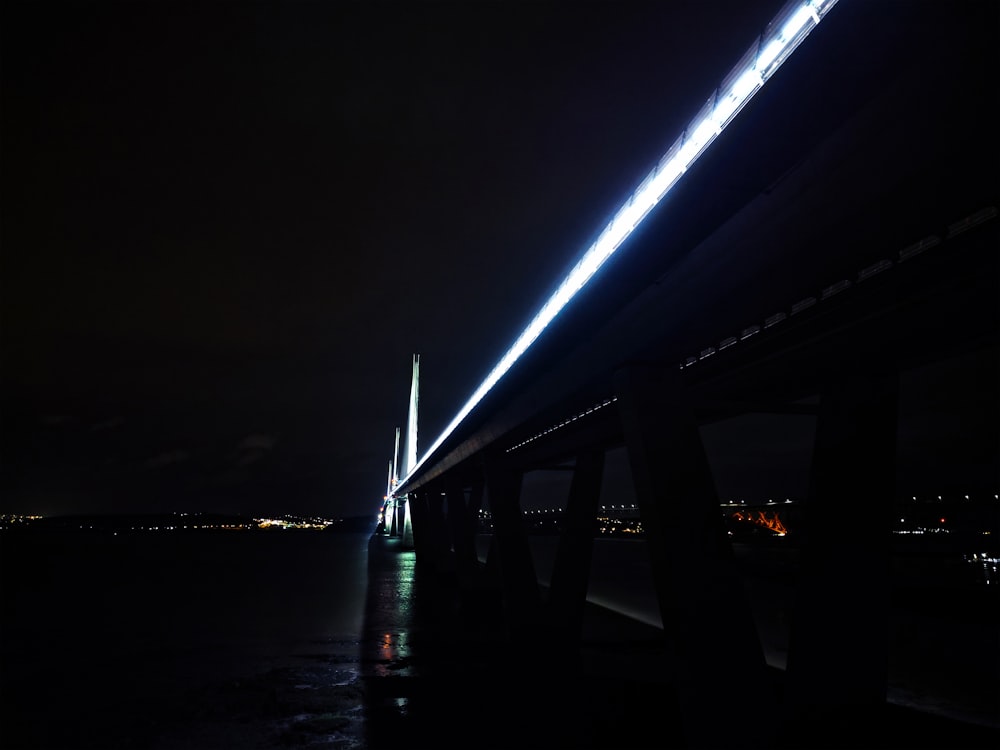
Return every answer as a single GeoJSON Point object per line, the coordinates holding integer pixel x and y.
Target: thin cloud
{"type": "Point", "coordinates": [253, 448]}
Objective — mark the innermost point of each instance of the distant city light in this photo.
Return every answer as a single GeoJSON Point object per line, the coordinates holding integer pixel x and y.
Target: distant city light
{"type": "Point", "coordinates": [785, 32]}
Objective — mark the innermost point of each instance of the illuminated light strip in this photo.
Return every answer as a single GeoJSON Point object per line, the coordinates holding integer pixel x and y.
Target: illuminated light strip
{"type": "Point", "coordinates": [785, 32]}
{"type": "Point", "coordinates": [570, 420]}
{"type": "Point", "coordinates": [881, 266]}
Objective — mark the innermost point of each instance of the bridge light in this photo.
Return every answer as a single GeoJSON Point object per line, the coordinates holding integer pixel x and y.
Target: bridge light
{"type": "Point", "coordinates": [785, 32]}
{"type": "Point", "coordinates": [837, 288]}
{"type": "Point", "coordinates": [774, 319]}
{"type": "Point", "coordinates": [918, 247]}
{"type": "Point", "coordinates": [803, 305]}
{"type": "Point", "coordinates": [990, 212]}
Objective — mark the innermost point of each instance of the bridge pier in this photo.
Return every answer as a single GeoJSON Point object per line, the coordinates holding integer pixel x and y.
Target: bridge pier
{"type": "Point", "coordinates": [435, 546]}
{"type": "Point", "coordinates": [571, 573]}
{"type": "Point", "coordinates": [461, 531]}
{"type": "Point", "coordinates": [510, 551]}
{"type": "Point", "coordinates": [702, 600]}
{"type": "Point", "coordinates": [391, 521]}
{"type": "Point", "coordinates": [400, 521]}
{"type": "Point", "coordinates": [838, 644]}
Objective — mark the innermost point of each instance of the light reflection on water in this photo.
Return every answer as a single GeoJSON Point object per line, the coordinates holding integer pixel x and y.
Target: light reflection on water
{"type": "Point", "coordinates": [986, 567]}
{"type": "Point", "coordinates": [389, 612]}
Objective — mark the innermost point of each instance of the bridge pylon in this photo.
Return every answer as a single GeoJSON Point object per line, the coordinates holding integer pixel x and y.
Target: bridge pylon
{"type": "Point", "coordinates": [398, 520]}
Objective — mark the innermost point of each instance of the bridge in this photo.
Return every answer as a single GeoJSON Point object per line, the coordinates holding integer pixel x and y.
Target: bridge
{"type": "Point", "coordinates": [807, 246]}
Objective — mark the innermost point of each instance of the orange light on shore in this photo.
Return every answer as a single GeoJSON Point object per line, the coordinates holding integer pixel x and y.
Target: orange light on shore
{"type": "Point", "coordinates": [760, 518]}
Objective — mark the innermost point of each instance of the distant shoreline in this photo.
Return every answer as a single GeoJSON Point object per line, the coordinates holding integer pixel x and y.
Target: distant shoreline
{"type": "Point", "coordinates": [189, 522]}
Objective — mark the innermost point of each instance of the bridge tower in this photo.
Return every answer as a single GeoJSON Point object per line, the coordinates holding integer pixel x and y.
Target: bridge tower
{"type": "Point", "coordinates": [403, 516]}
{"type": "Point", "coordinates": [390, 502]}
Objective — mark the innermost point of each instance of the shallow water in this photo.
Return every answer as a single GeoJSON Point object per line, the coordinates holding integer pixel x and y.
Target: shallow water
{"type": "Point", "coordinates": [198, 640]}
{"type": "Point", "coordinates": [246, 640]}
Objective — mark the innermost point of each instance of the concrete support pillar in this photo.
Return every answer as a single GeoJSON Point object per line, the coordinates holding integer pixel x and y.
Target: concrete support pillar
{"type": "Point", "coordinates": [723, 687]}
{"type": "Point", "coordinates": [406, 525]}
{"type": "Point", "coordinates": [492, 555]}
{"type": "Point", "coordinates": [417, 513]}
{"type": "Point", "coordinates": [393, 517]}
{"type": "Point", "coordinates": [477, 497]}
{"type": "Point", "coordinates": [519, 582]}
{"type": "Point", "coordinates": [437, 532]}
{"type": "Point", "coordinates": [838, 644]}
{"type": "Point", "coordinates": [462, 532]}
{"type": "Point", "coordinates": [480, 587]}
{"type": "Point", "coordinates": [571, 573]}
{"type": "Point", "coordinates": [476, 502]}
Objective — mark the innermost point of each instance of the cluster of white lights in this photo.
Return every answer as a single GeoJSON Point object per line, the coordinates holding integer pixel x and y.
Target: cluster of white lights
{"type": "Point", "coordinates": [785, 32]}
{"type": "Point", "coordinates": [921, 530]}
{"type": "Point", "coordinates": [941, 498]}
{"type": "Point", "coordinates": [743, 503]}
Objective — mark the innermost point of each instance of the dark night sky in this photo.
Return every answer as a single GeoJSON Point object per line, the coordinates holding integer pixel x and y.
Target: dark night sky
{"type": "Point", "coordinates": [227, 226]}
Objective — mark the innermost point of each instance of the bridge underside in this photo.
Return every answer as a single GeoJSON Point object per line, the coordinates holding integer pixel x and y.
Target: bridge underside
{"type": "Point", "coordinates": [807, 264]}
